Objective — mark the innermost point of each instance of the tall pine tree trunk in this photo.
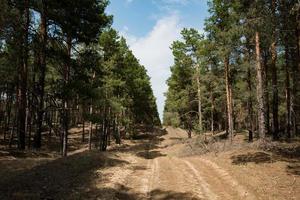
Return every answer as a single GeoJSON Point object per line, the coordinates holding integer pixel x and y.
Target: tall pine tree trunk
{"type": "Point", "coordinates": [297, 111]}
{"type": "Point", "coordinates": [251, 126]}
{"type": "Point", "coordinates": [229, 98]}
{"type": "Point", "coordinates": [199, 98]}
{"type": "Point", "coordinates": [212, 99]}
{"type": "Point", "coordinates": [286, 40]}
{"type": "Point", "coordinates": [266, 74]}
{"type": "Point", "coordinates": [22, 88]}
{"type": "Point", "coordinates": [83, 126]}
{"type": "Point", "coordinates": [275, 123]}
{"type": "Point", "coordinates": [91, 127]}
{"type": "Point", "coordinates": [295, 73]}
{"type": "Point", "coordinates": [41, 85]}
{"type": "Point", "coordinates": [8, 109]}
{"type": "Point", "coordinates": [66, 107]}
{"type": "Point", "coordinates": [287, 93]}
{"type": "Point", "coordinates": [260, 89]}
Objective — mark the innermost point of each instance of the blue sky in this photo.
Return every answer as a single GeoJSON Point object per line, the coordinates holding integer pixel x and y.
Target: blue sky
{"type": "Point", "coordinates": [150, 27]}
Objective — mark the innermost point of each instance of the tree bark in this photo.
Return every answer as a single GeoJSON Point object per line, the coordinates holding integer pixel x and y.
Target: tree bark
{"type": "Point", "coordinates": [41, 85]}
{"type": "Point", "coordinates": [65, 101]}
{"type": "Point", "coordinates": [212, 99]}
{"type": "Point", "coordinates": [229, 98]}
{"type": "Point", "coordinates": [297, 111]}
{"type": "Point", "coordinates": [266, 93]}
{"type": "Point", "coordinates": [275, 124]}
{"type": "Point", "coordinates": [91, 127]}
{"type": "Point", "coordinates": [260, 90]}
{"type": "Point", "coordinates": [287, 93]}
{"type": "Point", "coordinates": [8, 112]}
{"type": "Point", "coordinates": [274, 91]}
{"type": "Point", "coordinates": [199, 98]}
{"type": "Point", "coordinates": [117, 131]}
{"type": "Point", "coordinates": [22, 89]}
{"type": "Point", "coordinates": [295, 73]}
{"type": "Point", "coordinates": [83, 131]}
{"type": "Point", "coordinates": [29, 120]}
{"type": "Point", "coordinates": [251, 125]}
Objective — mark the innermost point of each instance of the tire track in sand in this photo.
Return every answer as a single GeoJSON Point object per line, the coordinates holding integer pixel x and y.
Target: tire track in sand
{"type": "Point", "coordinates": [201, 182]}
{"type": "Point", "coordinates": [193, 177]}
{"type": "Point", "coordinates": [152, 178]}
{"type": "Point", "coordinates": [196, 184]}
{"type": "Point", "coordinates": [225, 178]}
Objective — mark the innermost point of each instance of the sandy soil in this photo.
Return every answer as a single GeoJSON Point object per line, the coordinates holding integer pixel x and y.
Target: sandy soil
{"type": "Point", "coordinates": [169, 169]}
{"type": "Point", "coordinates": [152, 167]}
{"type": "Point", "coordinates": [162, 173]}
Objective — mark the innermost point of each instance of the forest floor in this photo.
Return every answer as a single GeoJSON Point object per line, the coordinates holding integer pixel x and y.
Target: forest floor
{"type": "Point", "coordinates": [159, 165]}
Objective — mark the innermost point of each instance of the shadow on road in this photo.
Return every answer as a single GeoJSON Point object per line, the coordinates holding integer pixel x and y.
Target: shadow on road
{"type": "Point", "coordinates": [124, 194]}
{"type": "Point", "coordinates": [146, 145]}
{"type": "Point", "coordinates": [76, 176]}
{"type": "Point", "coordinates": [150, 154]}
{"type": "Point", "coordinates": [56, 179]}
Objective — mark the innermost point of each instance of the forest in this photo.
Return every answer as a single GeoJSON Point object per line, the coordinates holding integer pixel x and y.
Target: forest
{"type": "Point", "coordinates": [63, 65]}
{"type": "Point", "coordinates": [81, 116]}
{"type": "Point", "coordinates": [242, 73]}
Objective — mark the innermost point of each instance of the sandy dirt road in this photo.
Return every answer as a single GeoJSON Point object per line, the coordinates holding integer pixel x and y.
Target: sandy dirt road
{"type": "Point", "coordinates": [153, 166]}
{"type": "Point", "coordinates": [158, 172]}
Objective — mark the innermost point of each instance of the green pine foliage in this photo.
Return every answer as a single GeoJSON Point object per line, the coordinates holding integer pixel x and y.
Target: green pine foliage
{"type": "Point", "coordinates": [78, 71]}
{"type": "Point", "coordinates": [230, 32]}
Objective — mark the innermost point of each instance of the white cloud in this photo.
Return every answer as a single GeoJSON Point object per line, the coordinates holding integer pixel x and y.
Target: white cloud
{"type": "Point", "coordinates": [182, 2]}
{"type": "Point", "coordinates": [130, 39]}
{"type": "Point", "coordinates": [171, 5]}
{"type": "Point", "coordinates": [153, 51]}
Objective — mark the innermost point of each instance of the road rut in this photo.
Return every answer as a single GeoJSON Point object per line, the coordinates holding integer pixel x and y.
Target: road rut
{"type": "Point", "coordinates": [161, 174]}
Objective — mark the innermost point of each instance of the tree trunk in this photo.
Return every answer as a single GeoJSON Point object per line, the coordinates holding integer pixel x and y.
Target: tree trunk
{"type": "Point", "coordinates": [117, 131]}
{"type": "Point", "coordinates": [83, 133]}
{"type": "Point", "coordinates": [295, 77]}
{"type": "Point", "coordinates": [297, 111]}
{"type": "Point", "coordinates": [229, 98]}
{"type": "Point", "coordinates": [287, 93]}
{"type": "Point", "coordinates": [14, 126]}
{"type": "Point", "coordinates": [260, 90]}
{"type": "Point", "coordinates": [22, 90]}
{"type": "Point", "coordinates": [50, 126]}
{"type": "Point", "coordinates": [274, 91]}
{"type": "Point", "coordinates": [275, 127]}
{"type": "Point", "coordinates": [251, 125]}
{"type": "Point", "coordinates": [102, 133]}
{"type": "Point", "coordinates": [66, 107]}
{"type": "Point", "coordinates": [108, 125]}
{"type": "Point", "coordinates": [91, 127]}
{"type": "Point", "coordinates": [266, 93]}
{"type": "Point", "coordinates": [199, 98]}
{"type": "Point", "coordinates": [8, 113]}
{"type": "Point", "coordinates": [212, 98]}
{"type": "Point", "coordinates": [29, 120]}
{"type": "Point", "coordinates": [41, 85]}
